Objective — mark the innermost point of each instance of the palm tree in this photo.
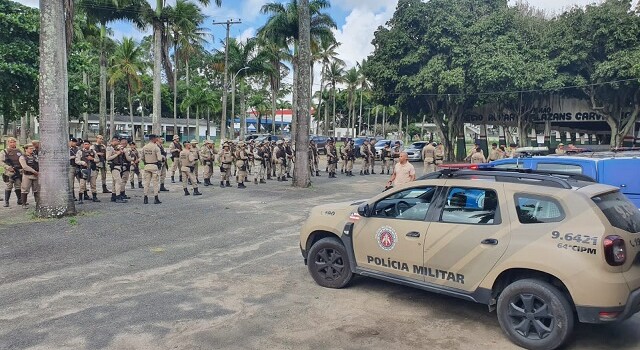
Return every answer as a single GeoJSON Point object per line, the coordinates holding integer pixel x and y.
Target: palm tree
{"type": "Point", "coordinates": [104, 12]}
{"type": "Point", "coordinates": [200, 97]}
{"type": "Point", "coordinates": [364, 86]}
{"type": "Point", "coordinates": [334, 74]}
{"type": "Point", "coordinates": [301, 174]}
{"type": "Point", "coordinates": [186, 19]}
{"type": "Point", "coordinates": [282, 27]}
{"type": "Point", "coordinates": [159, 18]}
{"type": "Point", "coordinates": [55, 199]}
{"type": "Point", "coordinates": [127, 66]}
{"type": "Point", "coordinates": [276, 55]}
{"type": "Point", "coordinates": [325, 54]}
{"type": "Point", "coordinates": [351, 79]}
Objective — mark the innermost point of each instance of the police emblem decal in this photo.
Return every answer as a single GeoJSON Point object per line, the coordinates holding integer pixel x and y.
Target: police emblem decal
{"type": "Point", "coordinates": [386, 237]}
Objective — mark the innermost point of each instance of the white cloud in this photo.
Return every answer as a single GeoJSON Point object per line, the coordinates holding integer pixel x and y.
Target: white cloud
{"type": "Point", "coordinates": [357, 33]}
{"type": "Point", "coordinates": [251, 9]}
{"type": "Point", "coordinates": [30, 3]}
{"type": "Point", "coordinates": [369, 5]}
{"type": "Point", "coordinates": [246, 34]}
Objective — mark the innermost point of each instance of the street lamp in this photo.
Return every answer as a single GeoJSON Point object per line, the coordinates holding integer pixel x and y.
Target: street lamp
{"type": "Point", "coordinates": [233, 100]}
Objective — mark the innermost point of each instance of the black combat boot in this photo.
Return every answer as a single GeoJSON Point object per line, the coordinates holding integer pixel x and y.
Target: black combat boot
{"type": "Point", "coordinates": [80, 198]}
{"type": "Point", "coordinates": [113, 197]}
{"type": "Point", "coordinates": [373, 172]}
{"type": "Point", "coordinates": [146, 200]}
{"type": "Point", "coordinates": [228, 184]}
{"type": "Point", "coordinates": [206, 182]}
{"type": "Point", "coordinates": [180, 177]}
{"type": "Point", "coordinates": [186, 192]}
{"type": "Point", "coordinates": [317, 173]}
{"type": "Point", "coordinates": [86, 196]}
{"type": "Point", "coordinates": [279, 179]}
{"type": "Point", "coordinates": [289, 176]}
{"type": "Point", "coordinates": [196, 192]}
{"type": "Point", "coordinates": [255, 181]}
{"type": "Point", "coordinates": [198, 181]}
{"type": "Point", "coordinates": [19, 195]}
{"type": "Point", "coordinates": [262, 181]}
{"type": "Point", "coordinates": [366, 172]}
{"type": "Point", "coordinates": [163, 189]}
{"type": "Point", "coordinates": [388, 172]}
{"type": "Point", "coordinates": [7, 196]}
{"type": "Point", "coordinates": [120, 199]}
{"type": "Point", "coordinates": [132, 186]}
{"type": "Point", "coordinates": [188, 182]}
{"type": "Point", "coordinates": [341, 171]}
{"type": "Point", "coordinates": [25, 205]}
{"type": "Point", "coordinates": [173, 179]}
{"type": "Point", "coordinates": [284, 178]}
{"type": "Point", "coordinates": [221, 184]}
{"type": "Point", "coordinates": [156, 200]}
{"type": "Point", "coordinates": [105, 189]}
{"type": "Point", "coordinates": [241, 185]}
{"type": "Point", "coordinates": [123, 194]}
{"type": "Point", "coordinates": [95, 198]}
{"type": "Point", "coordinates": [140, 184]}
{"type": "Point", "coordinates": [268, 176]}
{"type": "Point", "coordinates": [361, 173]}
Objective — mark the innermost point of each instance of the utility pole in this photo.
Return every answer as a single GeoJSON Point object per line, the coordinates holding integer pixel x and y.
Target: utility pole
{"type": "Point", "coordinates": [223, 123]}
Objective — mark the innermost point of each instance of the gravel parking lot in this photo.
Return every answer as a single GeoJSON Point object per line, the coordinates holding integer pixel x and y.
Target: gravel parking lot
{"type": "Point", "coordinates": [220, 271]}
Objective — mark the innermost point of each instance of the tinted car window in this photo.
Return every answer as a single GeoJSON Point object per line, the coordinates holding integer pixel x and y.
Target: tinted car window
{"type": "Point", "coordinates": [410, 204]}
{"type": "Point", "coordinates": [565, 168]}
{"type": "Point", "coordinates": [471, 206]}
{"type": "Point", "coordinates": [534, 209]}
{"type": "Point", "coordinates": [620, 212]}
{"type": "Point", "coordinates": [510, 166]}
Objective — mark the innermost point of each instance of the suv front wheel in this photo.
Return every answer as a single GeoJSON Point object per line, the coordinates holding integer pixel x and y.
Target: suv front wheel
{"type": "Point", "coordinates": [535, 315]}
{"type": "Point", "coordinates": [329, 264]}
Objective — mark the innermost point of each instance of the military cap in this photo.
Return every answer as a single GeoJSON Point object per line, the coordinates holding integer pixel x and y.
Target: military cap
{"type": "Point", "coordinates": [153, 136]}
{"type": "Point", "coordinates": [73, 139]}
{"type": "Point", "coordinates": [279, 142]}
{"type": "Point", "coordinates": [208, 142]}
{"type": "Point", "coordinates": [35, 141]}
{"type": "Point", "coordinates": [176, 137]}
{"type": "Point", "coordinates": [194, 141]}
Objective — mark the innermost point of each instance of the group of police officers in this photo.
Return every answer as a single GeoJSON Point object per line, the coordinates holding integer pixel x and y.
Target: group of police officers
{"type": "Point", "coordinates": [149, 165]}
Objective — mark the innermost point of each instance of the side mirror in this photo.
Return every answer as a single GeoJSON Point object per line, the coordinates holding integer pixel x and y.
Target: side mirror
{"type": "Point", "coordinates": [363, 210]}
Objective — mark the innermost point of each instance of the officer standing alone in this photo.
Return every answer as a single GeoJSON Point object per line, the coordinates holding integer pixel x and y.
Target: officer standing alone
{"type": "Point", "coordinates": [152, 158]}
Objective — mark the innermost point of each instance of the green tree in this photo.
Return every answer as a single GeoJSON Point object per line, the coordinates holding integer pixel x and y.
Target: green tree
{"type": "Point", "coordinates": [127, 66]}
{"type": "Point", "coordinates": [334, 75]}
{"type": "Point", "coordinates": [325, 54]}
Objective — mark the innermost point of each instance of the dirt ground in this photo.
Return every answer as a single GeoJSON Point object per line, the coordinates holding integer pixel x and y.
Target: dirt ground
{"type": "Point", "coordinates": [221, 271]}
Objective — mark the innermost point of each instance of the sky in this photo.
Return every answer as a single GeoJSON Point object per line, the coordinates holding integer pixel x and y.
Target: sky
{"type": "Point", "coordinates": [356, 21]}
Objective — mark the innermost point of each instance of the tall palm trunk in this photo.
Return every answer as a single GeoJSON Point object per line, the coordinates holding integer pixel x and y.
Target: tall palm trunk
{"type": "Point", "coordinates": [175, 89]}
{"type": "Point", "coordinates": [85, 115]}
{"type": "Point", "coordinates": [112, 113]}
{"type": "Point", "coordinates": [384, 122]}
{"type": "Point", "coordinates": [23, 129]}
{"type": "Point", "coordinates": [197, 135]}
{"type": "Point", "coordinates": [375, 122]}
{"type": "Point", "coordinates": [243, 117]}
{"type": "Point", "coordinates": [294, 101]}
{"type": "Point", "coordinates": [102, 109]}
{"type": "Point", "coordinates": [133, 128]}
{"type": "Point", "coordinates": [326, 118]}
{"type": "Point", "coordinates": [333, 98]}
{"type": "Point", "coordinates": [360, 116]}
{"type": "Point", "coordinates": [55, 198]}
{"type": "Point", "coordinates": [186, 68]}
{"type": "Point", "coordinates": [273, 111]}
{"type": "Point", "coordinates": [157, 67]}
{"type": "Point", "coordinates": [301, 173]}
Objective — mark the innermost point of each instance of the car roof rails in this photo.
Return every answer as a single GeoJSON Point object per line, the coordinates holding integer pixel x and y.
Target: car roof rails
{"type": "Point", "coordinates": [540, 178]}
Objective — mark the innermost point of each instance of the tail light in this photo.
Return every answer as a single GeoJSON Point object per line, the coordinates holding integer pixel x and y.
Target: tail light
{"type": "Point", "coordinates": [474, 167]}
{"type": "Point", "coordinates": [615, 251]}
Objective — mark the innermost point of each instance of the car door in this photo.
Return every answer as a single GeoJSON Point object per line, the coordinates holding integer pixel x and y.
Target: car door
{"type": "Point", "coordinates": [468, 235]}
{"type": "Point", "coordinates": [390, 239]}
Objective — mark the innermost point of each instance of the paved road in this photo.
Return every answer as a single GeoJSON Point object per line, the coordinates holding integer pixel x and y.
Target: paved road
{"type": "Point", "coordinates": [220, 271]}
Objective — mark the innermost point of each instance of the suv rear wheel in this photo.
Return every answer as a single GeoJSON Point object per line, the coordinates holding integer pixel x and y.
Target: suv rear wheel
{"type": "Point", "coordinates": [328, 263]}
{"type": "Point", "coordinates": [535, 315]}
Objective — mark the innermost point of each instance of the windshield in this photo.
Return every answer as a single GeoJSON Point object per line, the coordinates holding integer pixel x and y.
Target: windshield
{"type": "Point", "coordinates": [381, 143]}
{"type": "Point", "coordinates": [418, 145]}
{"type": "Point", "coordinates": [620, 212]}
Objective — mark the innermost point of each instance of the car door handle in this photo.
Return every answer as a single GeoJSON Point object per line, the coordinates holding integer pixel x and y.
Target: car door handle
{"type": "Point", "coordinates": [490, 241]}
{"type": "Point", "coordinates": [413, 234]}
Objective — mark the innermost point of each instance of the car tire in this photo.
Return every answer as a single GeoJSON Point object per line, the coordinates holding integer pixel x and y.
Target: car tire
{"type": "Point", "coordinates": [535, 315]}
{"type": "Point", "coordinates": [328, 263]}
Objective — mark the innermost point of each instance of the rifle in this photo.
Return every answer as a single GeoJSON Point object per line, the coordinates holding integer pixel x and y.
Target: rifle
{"type": "Point", "coordinates": [16, 171]}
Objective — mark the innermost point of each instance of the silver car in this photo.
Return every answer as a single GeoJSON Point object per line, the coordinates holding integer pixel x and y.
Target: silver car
{"type": "Point", "coordinates": [415, 151]}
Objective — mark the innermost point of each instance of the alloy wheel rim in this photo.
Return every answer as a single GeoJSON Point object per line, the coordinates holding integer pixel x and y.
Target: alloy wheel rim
{"type": "Point", "coordinates": [329, 264]}
{"type": "Point", "coordinates": [531, 317]}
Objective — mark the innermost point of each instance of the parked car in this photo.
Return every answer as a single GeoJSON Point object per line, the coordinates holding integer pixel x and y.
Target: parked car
{"type": "Point", "coordinates": [415, 150]}
{"type": "Point", "coordinates": [321, 142]}
{"type": "Point", "coordinates": [380, 145]}
{"type": "Point", "coordinates": [123, 135]}
{"type": "Point", "coordinates": [541, 251]}
{"type": "Point", "coordinates": [357, 142]}
{"type": "Point", "coordinates": [620, 172]}
{"type": "Point", "coordinates": [267, 137]}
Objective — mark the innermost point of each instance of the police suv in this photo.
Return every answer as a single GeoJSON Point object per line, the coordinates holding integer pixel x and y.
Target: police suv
{"type": "Point", "coordinates": [543, 250]}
